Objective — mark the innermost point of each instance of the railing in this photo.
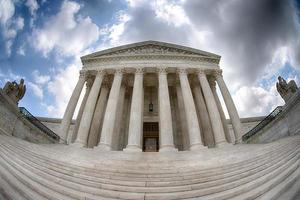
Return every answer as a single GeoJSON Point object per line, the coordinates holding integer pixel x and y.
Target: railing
{"type": "Point", "coordinates": [263, 123]}
{"type": "Point", "coordinates": [38, 124]}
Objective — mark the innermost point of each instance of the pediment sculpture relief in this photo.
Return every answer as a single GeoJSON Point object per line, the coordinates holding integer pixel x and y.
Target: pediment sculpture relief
{"type": "Point", "coordinates": [150, 49]}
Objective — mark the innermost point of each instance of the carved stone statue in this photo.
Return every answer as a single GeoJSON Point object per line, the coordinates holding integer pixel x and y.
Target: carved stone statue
{"type": "Point", "coordinates": [286, 90]}
{"type": "Point", "coordinates": [14, 90]}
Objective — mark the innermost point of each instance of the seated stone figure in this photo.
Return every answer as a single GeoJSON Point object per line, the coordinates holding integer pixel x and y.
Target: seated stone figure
{"type": "Point", "coordinates": [14, 90]}
{"type": "Point", "coordinates": [286, 90]}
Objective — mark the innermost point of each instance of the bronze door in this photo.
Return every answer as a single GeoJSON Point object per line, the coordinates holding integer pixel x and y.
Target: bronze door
{"type": "Point", "coordinates": [151, 137]}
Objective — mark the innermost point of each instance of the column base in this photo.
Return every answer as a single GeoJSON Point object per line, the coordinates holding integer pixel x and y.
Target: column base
{"type": "Point", "coordinates": [77, 144]}
{"type": "Point", "coordinates": [61, 141]}
{"type": "Point", "coordinates": [168, 149]}
{"type": "Point", "coordinates": [197, 147]}
{"type": "Point", "coordinates": [132, 148]}
{"type": "Point", "coordinates": [223, 144]}
{"type": "Point", "coordinates": [103, 147]}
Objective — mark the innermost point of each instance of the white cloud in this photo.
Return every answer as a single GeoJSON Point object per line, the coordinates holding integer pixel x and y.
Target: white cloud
{"type": "Point", "coordinates": [10, 25]}
{"type": "Point", "coordinates": [40, 79]}
{"type": "Point", "coordinates": [21, 50]}
{"type": "Point", "coordinates": [255, 100]}
{"type": "Point", "coordinates": [32, 5]}
{"type": "Point", "coordinates": [7, 10]}
{"type": "Point", "coordinates": [170, 12]}
{"type": "Point", "coordinates": [65, 32]}
{"type": "Point", "coordinates": [61, 87]}
{"type": "Point", "coordinates": [36, 89]}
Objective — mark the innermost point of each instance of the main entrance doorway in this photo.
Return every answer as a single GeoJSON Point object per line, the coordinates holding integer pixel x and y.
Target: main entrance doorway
{"type": "Point", "coordinates": [150, 137]}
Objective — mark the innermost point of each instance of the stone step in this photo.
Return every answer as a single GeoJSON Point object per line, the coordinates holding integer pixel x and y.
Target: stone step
{"type": "Point", "coordinates": [79, 186]}
{"type": "Point", "coordinates": [149, 184]}
{"type": "Point", "coordinates": [148, 180]}
{"type": "Point", "coordinates": [229, 190]}
{"type": "Point", "coordinates": [290, 186]}
{"type": "Point", "coordinates": [16, 189]}
{"type": "Point", "coordinates": [293, 170]}
{"type": "Point", "coordinates": [137, 172]}
{"type": "Point", "coordinates": [90, 170]}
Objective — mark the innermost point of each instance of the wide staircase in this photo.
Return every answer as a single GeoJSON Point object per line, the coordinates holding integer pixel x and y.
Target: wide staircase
{"type": "Point", "coordinates": [55, 171]}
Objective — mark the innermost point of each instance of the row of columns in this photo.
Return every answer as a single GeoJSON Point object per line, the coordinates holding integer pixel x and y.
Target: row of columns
{"type": "Point", "coordinates": [106, 113]}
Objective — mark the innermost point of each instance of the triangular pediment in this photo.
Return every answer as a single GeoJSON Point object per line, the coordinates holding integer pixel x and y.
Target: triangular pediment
{"type": "Point", "coordinates": [150, 48]}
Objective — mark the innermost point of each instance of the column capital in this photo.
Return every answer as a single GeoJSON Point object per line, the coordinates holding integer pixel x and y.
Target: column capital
{"type": "Point", "coordinates": [218, 72]}
{"type": "Point", "coordinates": [181, 71]}
{"type": "Point", "coordinates": [212, 82]}
{"type": "Point", "coordinates": [201, 72]}
{"type": "Point", "coordinates": [82, 74]}
{"type": "Point", "coordinates": [89, 82]}
{"type": "Point", "coordinates": [100, 72]}
{"type": "Point", "coordinates": [139, 70]}
{"type": "Point", "coordinates": [119, 71]}
{"type": "Point", "coordinates": [162, 70]}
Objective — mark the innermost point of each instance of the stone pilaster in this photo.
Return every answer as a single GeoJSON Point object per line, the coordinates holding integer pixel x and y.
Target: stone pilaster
{"type": "Point", "coordinates": [212, 108]}
{"type": "Point", "coordinates": [136, 114]}
{"type": "Point", "coordinates": [165, 117]}
{"type": "Point", "coordinates": [67, 118]}
{"type": "Point", "coordinates": [87, 116]}
{"type": "Point", "coordinates": [234, 117]}
{"type": "Point", "coordinates": [110, 112]}
{"type": "Point", "coordinates": [190, 111]}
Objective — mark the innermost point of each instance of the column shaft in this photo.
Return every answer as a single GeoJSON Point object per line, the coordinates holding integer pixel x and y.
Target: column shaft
{"type": "Point", "coordinates": [234, 116]}
{"type": "Point", "coordinates": [94, 135]}
{"type": "Point", "coordinates": [87, 116]}
{"type": "Point", "coordinates": [205, 123]}
{"type": "Point", "coordinates": [71, 137]}
{"type": "Point", "coordinates": [136, 114]}
{"type": "Point", "coordinates": [110, 113]}
{"type": "Point", "coordinates": [182, 119]}
{"type": "Point", "coordinates": [165, 118]}
{"type": "Point", "coordinates": [115, 143]}
{"type": "Point", "coordinates": [67, 118]}
{"type": "Point", "coordinates": [222, 115]}
{"type": "Point", "coordinates": [190, 111]}
{"type": "Point", "coordinates": [213, 112]}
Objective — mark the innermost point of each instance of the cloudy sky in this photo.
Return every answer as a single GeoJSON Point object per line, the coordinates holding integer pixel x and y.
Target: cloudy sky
{"type": "Point", "coordinates": [42, 41]}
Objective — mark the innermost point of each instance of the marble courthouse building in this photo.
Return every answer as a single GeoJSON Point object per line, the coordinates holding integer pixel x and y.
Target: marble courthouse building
{"type": "Point", "coordinates": [150, 96]}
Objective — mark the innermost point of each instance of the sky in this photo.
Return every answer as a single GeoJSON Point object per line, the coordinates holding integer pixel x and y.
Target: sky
{"type": "Point", "coordinates": [42, 42]}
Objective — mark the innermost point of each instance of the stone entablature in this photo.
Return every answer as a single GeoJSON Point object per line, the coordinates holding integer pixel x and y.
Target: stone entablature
{"type": "Point", "coordinates": [151, 54]}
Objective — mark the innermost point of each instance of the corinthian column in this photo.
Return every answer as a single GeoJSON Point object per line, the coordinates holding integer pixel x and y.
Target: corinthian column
{"type": "Point", "coordinates": [190, 111]}
{"type": "Point", "coordinates": [87, 116]}
{"type": "Point", "coordinates": [67, 118]}
{"type": "Point", "coordinates": [136, 114]}
{"type": "Point", "coordinates": [234, 116]}
{"type": "Point", "coordinates": [165, 118]}
{"type": "Point", "coordinates": [208, 136]}
{"type": "Point", "coordinates": [213, 112]}
{"type": "Point", "coordinates": [71, 137]}
{"type": "Point", "coordinates": [98, 117]}
{"type": "Point", "coordinates": [110, 112]}
{"type": "Point", "coordinates": [219, 105]}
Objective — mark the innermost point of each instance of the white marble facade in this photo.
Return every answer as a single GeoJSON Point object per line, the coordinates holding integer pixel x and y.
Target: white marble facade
{"type": "Point", "coordinates": [150, 92]}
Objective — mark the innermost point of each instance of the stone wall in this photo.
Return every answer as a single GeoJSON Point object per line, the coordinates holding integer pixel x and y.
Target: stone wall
{"type": "Point", "coordinates": [285, 124]}
{"type": "Point", "coordinates": [13, 123]}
